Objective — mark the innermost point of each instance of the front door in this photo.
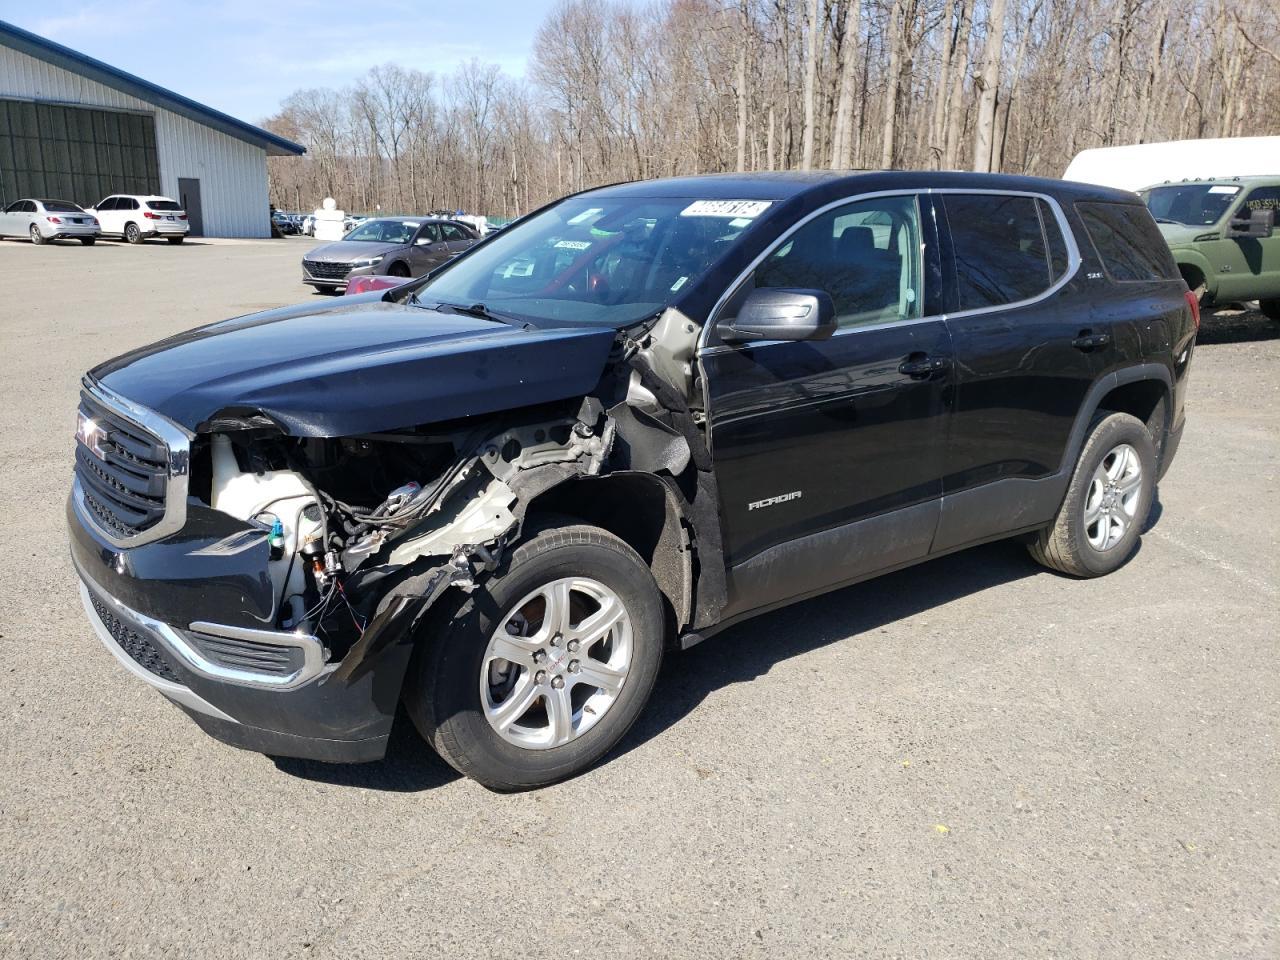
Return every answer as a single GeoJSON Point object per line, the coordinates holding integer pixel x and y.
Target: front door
{"type": "Point", "coordinates": [828, 454]}
{"type": "Point", "coordinates": [429, 249]}
{"type": "Point", "coordinates": [189, 200]}
{"type": "Point", "coordinates": [1249, 267]}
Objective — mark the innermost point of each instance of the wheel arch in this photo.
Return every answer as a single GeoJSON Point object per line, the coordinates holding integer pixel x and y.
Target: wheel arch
{"type": "Point", "coordinates": [1196, 272]}
{"type": "Point", "coordinates": [1144, 391]}
{"type": "Point", "coordinates": [640, 509]}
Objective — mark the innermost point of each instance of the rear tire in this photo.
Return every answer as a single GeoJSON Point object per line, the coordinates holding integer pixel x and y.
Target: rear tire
{"type": "Point", "coordinates": [175, 239]}
{"type": "Point", "coordinates": [1107, 502]}
{"type": "Point", "coordinates": [1270, 309]}
{"type": "Point", "coordinates": [36, 236]}
{"type": "Point", "coordinates": [88, 241]}
{"type": "Point", "coordinates": [557, 722]}
{"type": "Point", "coordinates": [132, 234]}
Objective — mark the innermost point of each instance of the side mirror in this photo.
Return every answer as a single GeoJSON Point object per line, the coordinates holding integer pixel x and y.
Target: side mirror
{"type": "Point", "coordinates": [1257, 225]}
{"type": "Point", "coordinates": [779, 314]}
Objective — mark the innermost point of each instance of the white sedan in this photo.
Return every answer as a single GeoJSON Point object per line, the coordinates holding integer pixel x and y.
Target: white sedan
{"type": "Point", "coordinates": [43, 220]}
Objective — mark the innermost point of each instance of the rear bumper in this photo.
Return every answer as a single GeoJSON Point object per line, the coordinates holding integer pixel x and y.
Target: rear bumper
{"type": "Point", "coordinates": [143, 602]}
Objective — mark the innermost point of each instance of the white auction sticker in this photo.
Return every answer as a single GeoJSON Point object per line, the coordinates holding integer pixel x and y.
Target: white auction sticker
{"type": "Point", "coordinates": [730, 209]}
{"type": "Point", "coordinates": [1232, 190]}
{"type": "Point", "coordinates": [572, 244]}
{"type": "Point", "coordinates": [586, 215]}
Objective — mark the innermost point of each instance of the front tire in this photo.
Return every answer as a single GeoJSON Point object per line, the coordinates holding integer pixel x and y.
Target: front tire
{"type": "Point", "coordinates": [1107, 502]}
{"type": "Point", "coordinates": [538, 673]}
{"type": "Point", "coordinates": [36, 236]}
{"type": "Point", "coordinates": [1270, 309]}
{"type": "Point", "coordinates": [132, 234]}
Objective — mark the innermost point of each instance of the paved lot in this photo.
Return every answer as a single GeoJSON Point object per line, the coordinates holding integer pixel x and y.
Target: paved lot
{"type": "Point", "coordinates": [975, 758]}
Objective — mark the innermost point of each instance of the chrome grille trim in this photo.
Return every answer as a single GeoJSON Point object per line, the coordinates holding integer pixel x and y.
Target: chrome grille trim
{"type": "Point", "coordinates": [177, 444]}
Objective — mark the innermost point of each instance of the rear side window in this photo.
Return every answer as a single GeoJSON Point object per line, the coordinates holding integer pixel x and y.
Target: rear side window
{"type": "Point", "coordinates": [1002, 254]}
{"type": "Point", "coordinates": [163, 205]}
{"type": "Point", "coordinates": [1128, 241]}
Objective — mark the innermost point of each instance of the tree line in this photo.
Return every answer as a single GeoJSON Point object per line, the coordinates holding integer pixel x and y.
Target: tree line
{"type": "Point", "coordinates": [621, 90]}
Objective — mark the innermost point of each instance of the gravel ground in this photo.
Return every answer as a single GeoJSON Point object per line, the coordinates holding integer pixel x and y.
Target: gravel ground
{"type": "Point", "coordinates": [973, 758]}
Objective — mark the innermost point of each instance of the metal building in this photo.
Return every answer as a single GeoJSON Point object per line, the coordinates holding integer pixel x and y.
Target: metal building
{"type": "Point", "coordinates": [74, 128]}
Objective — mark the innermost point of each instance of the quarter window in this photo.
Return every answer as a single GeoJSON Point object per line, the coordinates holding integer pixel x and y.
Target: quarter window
{"type": "Point", "coordinates": [865, 254]}
{"type": "Point", "coordinates": [1001, 254]}
{"type": "Point", "coordinates": [1128, 241]}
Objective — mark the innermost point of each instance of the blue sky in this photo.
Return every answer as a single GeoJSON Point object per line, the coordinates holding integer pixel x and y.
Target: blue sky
{"type": "Point", "coordinates": [244, 56]}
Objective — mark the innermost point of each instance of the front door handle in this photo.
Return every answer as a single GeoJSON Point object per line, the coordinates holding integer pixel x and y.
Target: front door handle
{"type": "Point", "coordinates": [1088, 341]}
{"type": "Point", "coordinates": [920, 366]}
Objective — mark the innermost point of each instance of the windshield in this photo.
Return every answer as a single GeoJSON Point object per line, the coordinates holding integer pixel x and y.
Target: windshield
{"type": "Point", "coordinates": [384, 231]}
{"type": "Point", "coordinates": [594, 260]}
{"type": "Point", "coordinates": [1193, 204]}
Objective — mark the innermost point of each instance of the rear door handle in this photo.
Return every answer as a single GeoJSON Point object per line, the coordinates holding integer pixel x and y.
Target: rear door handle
{"type": "Point", "coordinates": [1088, 341]}
{"type": "Point", "coordinates": [920, 366]}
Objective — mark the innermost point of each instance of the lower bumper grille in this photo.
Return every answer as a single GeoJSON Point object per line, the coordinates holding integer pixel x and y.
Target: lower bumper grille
{"type": "Point", "coordinates": [133, 642]}
{"type": "Point", "coordinates": [326, 271]}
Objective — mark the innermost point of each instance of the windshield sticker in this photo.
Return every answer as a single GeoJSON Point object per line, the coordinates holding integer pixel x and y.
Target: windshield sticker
{"type": "Point", "coordinates": [573, 244]}
{"type": "Point", "coordinates": [586, 215]}
{"type": "Point", "coordinates": [678, 284]}
{"type": "Point", "coordinates": [740, 222]}
{"type": "Point", "coordinates": [732, 209]}
{"type": "Point", "coordinates": [1228, 190]}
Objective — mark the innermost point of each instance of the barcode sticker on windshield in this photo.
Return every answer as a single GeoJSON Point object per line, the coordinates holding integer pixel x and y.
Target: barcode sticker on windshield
{"type": "Point", "coordinates": [726, 208]}
{"type": "Point", "coordinates": [572, 244]}
{"type": "Point", "coordinates": [1224, 189]}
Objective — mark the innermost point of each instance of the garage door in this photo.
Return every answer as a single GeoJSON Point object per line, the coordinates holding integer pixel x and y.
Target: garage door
{"type": "Point", "coordinates": [75, 153]}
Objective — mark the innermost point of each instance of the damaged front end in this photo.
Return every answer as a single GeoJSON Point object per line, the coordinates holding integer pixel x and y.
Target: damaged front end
{"type": "Point", "coordinates": [281, 614]}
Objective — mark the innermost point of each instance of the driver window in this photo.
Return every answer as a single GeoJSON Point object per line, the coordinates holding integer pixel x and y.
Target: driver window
{"type": "Point", "coordinates": [430, 233]}
{"type": "Point", "coordinates": [865, 254]}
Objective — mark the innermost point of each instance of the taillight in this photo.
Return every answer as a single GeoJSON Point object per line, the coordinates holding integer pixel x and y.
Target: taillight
{"type": "Point", "coordinates": [53, 219]}
{"type": "Point", "coordinates": [1193, 302]}
{"type": "Point", "coordinates": [182, 216]}
{"type": "Point", "coordinates": [149, 215]}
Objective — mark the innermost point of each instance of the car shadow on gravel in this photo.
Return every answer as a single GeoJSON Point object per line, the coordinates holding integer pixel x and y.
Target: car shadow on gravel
{"type": "Point", "coordinates": [739, 654]}
{"type": "Point", "coordinates": [751, 649]}
{"type": "Point", "coordinates": [1236, 326]}
{"type": "Point", "coordinates": [410, 765]}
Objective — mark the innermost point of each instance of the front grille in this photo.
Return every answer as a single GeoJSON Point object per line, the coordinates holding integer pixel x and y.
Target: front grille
{"type": "Point", "coordinates": [326, 271]}
{"type": "Point", "coordinates": [125, 487]}
{"type": "Point", "coordinates": [236, 653]}
{"type": "Point", "coordinates": [133, 642]}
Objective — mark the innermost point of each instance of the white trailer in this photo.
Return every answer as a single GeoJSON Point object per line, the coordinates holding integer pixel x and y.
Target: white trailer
{"type": "Point", "coordinates": [1141, 165]}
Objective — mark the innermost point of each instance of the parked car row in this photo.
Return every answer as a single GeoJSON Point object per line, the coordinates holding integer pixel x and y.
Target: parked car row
{"type": "Point", "coordinates": [400, 247]}
{"type": "Point", "coordinates": [131, 217]}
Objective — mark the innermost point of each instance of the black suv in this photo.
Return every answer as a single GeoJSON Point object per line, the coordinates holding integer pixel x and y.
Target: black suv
{"type": "Point", "coordinates": [640, 415]}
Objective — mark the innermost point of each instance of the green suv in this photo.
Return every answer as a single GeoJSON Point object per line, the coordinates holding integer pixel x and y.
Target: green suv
{"type": "Point", "coordinates": [1222, 234]}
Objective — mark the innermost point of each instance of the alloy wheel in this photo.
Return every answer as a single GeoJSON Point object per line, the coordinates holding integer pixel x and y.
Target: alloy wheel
{"type": "Point", "coordinates": [1111, 505]}
{"type": "Point", "coordinates": [556, 664]}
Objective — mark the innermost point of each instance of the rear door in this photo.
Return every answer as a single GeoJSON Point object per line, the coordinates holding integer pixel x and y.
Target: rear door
{"type": "Point", "coordinates": [456, 238]}
{"type": "Point", "coordinates": [828, 454]}
{"type": "Point", "coordinates": [1028, 348]}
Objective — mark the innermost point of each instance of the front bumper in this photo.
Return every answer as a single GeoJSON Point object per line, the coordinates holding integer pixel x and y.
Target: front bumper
{"type": "Point", "coordinates": [341, 282]}
{"type": "Point", "coordinates": [174, 613]}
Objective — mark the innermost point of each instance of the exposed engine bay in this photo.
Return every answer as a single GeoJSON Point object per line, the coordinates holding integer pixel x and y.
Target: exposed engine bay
{"type": "Point", "coordinates": [347, 519]}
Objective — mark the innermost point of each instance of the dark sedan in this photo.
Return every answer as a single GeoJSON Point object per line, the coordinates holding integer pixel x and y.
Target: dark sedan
{"type": "Point", "coordinates": [394, 246]}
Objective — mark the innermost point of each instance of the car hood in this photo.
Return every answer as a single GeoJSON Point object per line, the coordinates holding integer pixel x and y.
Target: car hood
{"type": "Point", "coordinates": [1181, 234]}
{"type": "Point", "coordinates": [360, 366]}
{"type": "Point", "coordinates": [344, 251]}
